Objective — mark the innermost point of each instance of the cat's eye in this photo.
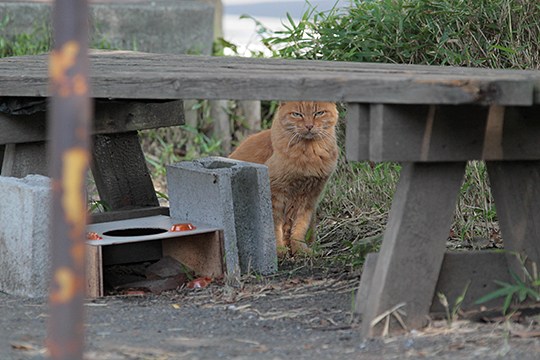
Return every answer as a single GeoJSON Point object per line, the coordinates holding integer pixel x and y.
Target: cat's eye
{"type": "Point", "coordinates": [319, 113]}
{"type": "Point", "coordinates": [297, 115]}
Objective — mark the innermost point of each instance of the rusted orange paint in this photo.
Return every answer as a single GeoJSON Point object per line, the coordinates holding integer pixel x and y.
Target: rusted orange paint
{"type": "Point", "coordinates": [80, 86]}
{"type": "Point", "coordinates": [77, 253]}
{"type": "Point", "coordinates": [61, 61]}
{"type": "Point", "coordinates": [66, 285]}
{"type": "Point", "coordinates": [74, 165]}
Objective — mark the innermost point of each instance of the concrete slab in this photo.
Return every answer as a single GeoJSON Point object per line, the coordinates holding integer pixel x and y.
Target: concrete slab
{"type": "Point", "coordinates": [475, 271]}
{"type": "Point", "coordinates": [25, 235]}
{"type": "Point", "coordinates": [160, 26]}
{"type": "Point", "coordinates": [233, 195]}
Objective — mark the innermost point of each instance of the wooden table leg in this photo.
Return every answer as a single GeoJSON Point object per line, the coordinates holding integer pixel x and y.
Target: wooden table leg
{"type": "Point", "coordinates": [120, 172]}
{"type": "Point", "coordinates": [2, 149]}
{"type": "Point", "coordinates": [516, 189]}
{"type": "Point", "coordinates": [413, 246]}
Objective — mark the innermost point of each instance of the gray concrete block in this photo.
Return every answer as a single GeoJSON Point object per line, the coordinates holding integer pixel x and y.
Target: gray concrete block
{"type": "Point", "coordinates": [159, 26]}
{"type": "Point", "coordinates": [253, 218]}
{"type": "Point", "coordinates": [24, 235]}
{"type": "Point", "coordinates": [233, 195]}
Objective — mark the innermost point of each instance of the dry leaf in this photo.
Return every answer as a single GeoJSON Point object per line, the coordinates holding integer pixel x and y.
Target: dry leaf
{"type": "Point", "coordinates": [525, 334]}
{"type": "Point", "coordinates": [199, 283]}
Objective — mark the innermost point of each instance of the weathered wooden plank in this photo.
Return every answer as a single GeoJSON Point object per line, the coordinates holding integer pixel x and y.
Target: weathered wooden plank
{"type": "Point", "coordinates": [469, 272]}
{"type": "Point", "coordinates": [203, 253]}
{"type": "Point", "coordinates": [16, 129]}
{"type": "Point", "coordinates": [124, 116]}
{"type": "Point", "coordinates": [414, 242]}
{"type": "Point", "coordinates": [125, 75]}
{"type": "Point", "coordinates": [120, 172]}
{"type": "Point", "coordinates": [110, 117]}
{"type": "Point", "coordinates": [24, 159]}
{"type": "Point", "coordinates": [516, 191]}
{"type": "Point", "coordinates": [452, 133]}
{"type": "Point", "coordinates": [245, 85]}
{"type": "Point", "coordinates": [99, 58]}
{"type": "Point", "coordinates": [357, 132]}
{"type": "Point", "coordinates": [128, 214]}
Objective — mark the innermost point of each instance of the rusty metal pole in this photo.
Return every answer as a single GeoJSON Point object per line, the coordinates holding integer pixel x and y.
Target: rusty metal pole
{"type": "Point", "coordinates": [69, 123]}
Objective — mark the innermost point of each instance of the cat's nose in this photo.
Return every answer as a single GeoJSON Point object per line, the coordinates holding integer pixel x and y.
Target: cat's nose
{"type": "Point", "coordinates": [309, 127]}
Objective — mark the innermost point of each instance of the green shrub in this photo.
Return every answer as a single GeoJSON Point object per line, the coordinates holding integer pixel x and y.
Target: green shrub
{"type": "Point", "coordinates": [482, 33]}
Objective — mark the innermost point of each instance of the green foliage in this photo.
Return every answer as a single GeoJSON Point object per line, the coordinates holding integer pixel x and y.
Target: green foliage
{"type": "Point", "coordinates": [37, 42]}
{"type": "Point", "coordinates": [452, 311]}
{"type": "Point", "coordinates": [482, 33]}
{"type": "Point", "coordinates": [98, 206]}
{"type": "Point", "coordinates": [519, 291]}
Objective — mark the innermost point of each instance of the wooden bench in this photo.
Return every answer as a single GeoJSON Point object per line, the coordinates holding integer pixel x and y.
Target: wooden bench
{"type": "Point", "coordinates": [432, 119]}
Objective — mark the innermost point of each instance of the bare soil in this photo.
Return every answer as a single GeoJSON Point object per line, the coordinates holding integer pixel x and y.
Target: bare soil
{"type": "Point", "coordinates": [302, 313]}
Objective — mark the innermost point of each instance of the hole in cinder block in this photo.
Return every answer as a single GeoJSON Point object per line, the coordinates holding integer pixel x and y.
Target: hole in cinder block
{"type": "Point", "coordinates": [135, 232]}
{"type": "Point", "coordinates": [218, 165]}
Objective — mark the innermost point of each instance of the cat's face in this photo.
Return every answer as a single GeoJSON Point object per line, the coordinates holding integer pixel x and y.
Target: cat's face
{"type": "Point", "coordinates": [308, 119]}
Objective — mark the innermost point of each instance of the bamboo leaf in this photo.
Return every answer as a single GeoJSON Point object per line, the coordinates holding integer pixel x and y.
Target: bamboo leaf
{"type": "Point", "coordinates": [505, 291]}
{"type": "Point", "coordinates": [507, 302]}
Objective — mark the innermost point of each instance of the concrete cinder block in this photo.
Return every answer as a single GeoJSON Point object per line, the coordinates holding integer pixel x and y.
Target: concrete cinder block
{"type": "Point", "coordinates": [235, 196]}
{"type": "Point", "coordinates": [159, 26]}
{"type": "Point", "coordinates": [25, 260]}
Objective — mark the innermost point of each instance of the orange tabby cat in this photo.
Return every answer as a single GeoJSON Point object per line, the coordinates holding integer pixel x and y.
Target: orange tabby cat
{"type": "Point", "coordinates": [301, 153]}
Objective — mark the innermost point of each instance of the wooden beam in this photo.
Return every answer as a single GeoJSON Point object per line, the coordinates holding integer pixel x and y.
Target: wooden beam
{"type": "Point", "coordinates": [157, 76]}
{"type": "Point", "coordinates": [24, 159]}
{"type": "Point", "coordinates": [110, 117]}
{"type": "Point", "coordinates": [357, 132]}
{"type": "Point", "coordinates": [128, 214]}
{"type": "Point", "coordinates": [452, 133]}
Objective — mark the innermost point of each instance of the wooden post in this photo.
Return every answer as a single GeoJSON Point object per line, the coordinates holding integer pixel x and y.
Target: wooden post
{"type": "Point", "coordinates": [191, 117]}
{"type": "Point", "coordinates": [252, 113]}
{"type": "Point", "coordinates": [222, 127]}
{"type": "Point", "coordinates": [69, 159]}
{"type": "Point", "coordinates": [23, 159]}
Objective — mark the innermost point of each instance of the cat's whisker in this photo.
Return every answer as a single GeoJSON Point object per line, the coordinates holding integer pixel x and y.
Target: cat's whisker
{"type": "Point", "coordinates": [323, 134]}
{"type": "Point", "coordinates": [295, 135]}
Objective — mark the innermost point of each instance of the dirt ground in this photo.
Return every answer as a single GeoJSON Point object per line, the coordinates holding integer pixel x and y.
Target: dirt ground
{"type": "Point", "coordinates": [295, 315]}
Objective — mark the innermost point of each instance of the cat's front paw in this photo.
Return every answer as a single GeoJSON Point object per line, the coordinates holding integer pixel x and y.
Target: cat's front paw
{"type": "Point", "coordinates": [299, 247]}
{"type": "Point", "coordinates": [282, 251]}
